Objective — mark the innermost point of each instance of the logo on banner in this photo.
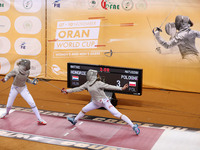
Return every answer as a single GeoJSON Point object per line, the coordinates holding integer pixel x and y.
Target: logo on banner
{"type": "Point", "coordinates": [23, 45]}
{"type": "Point", "coordinates": [141, 5]}
{"type": "Point", "coordinates": [75, 78]}
{"type": "Point", "coordinates": [56, 3]}
{"type": "Point", "coordinates": [1, 5]}
{"type": "Point", "coordinates": [28, 25]}
{"type": "Point", "coordinates": [27, 46]}
{"type": "Point", "coordinates": [55, 69]}
{"type": "Point", "coordinates": [106, 4]}
{"type": "Point", "coordinates": [93, 3]}
{"type": "Point", "coordinates": [131, 83]}
{"type": "Point", "coordinates": [27, 4]}
{"type": "Point", "coordinates": [127, 4]}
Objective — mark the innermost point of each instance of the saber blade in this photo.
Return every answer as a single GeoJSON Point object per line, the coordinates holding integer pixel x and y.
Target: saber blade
{"type": "Point", "coordinates": [52, 85]}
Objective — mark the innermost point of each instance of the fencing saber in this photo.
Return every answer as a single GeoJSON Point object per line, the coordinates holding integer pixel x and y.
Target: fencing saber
{"type": "Point", "coordinates": [159, 28]}
{"type": "Point", "coordinates": [50, 84]}
{"type": "Point", "coordinates": [157, 47]}
{"type": "Point", "coordinates": [167, 17]}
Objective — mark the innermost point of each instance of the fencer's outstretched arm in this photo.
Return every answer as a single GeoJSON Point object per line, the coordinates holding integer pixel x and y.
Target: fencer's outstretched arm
{"type": "Point", "coordinates": [112, 87]}
{"type": "Point", "coordinates": [76, 89]}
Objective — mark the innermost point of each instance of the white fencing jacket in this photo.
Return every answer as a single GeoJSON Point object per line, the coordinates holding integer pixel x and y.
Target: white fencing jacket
{"type": "Point", "coordinates": [96, 90]}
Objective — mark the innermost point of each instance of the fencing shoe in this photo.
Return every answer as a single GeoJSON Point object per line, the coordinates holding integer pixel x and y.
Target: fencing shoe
{"type": "Point", "coordinates": [136, 129]}
{"type": "Point", "coordinates": [42, 122]}
{"type": "Point", "coordinates": [3, 115]}
{"type": "Point", "coordinates": [71, 120]}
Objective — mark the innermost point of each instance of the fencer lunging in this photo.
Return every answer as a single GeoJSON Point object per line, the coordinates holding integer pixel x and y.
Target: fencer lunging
{"type": "Point", "coordinates": [20, 75]}
{"type": "Point", "coordinates": [184, 38]}
{"type": "Point", "coordinates": [98, 98]}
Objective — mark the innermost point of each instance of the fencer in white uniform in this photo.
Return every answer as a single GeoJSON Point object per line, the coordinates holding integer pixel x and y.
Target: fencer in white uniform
{"type": "Point", "coordinates": [184, 39]}
{"type": "Point", "coordinates": [98, 98]}
{"type": "Point", "coordinates": [20, 75]}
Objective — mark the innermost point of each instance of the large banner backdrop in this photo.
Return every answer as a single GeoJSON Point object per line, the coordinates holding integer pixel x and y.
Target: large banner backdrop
{"type": "Point", "coordinates": [22, 35]}
{"type": "Point", "coordinates": [119, 33]}
{"type": "Point", "coordinates": [107, 32]}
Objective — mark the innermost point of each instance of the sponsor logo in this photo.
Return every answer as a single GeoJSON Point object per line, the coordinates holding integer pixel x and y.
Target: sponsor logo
{"type": "Point", "coordinates": [4, 5]}
{"type": "Point", "coordinates": [75, 78]}
{"type": "Point", "coordinates": [131, 83]}
{"type": "Point", "coordinates": [28, 25]}
{"type": "Point", "coordinates": [106, 4]}
{"type": "Point", "coordinates": [55, 69]}
{"type": "Point", "coordinates": [141, 5]}
{"type": "Point", "coordinates": [27, 4]}
{"type": "Point", "coordinates": [27, 46]}
{"type": "Point", "coordinates": [1, 4]}
{"type": "Point", "coordinates": [23, 45]}
{"type": "Point", "coordinates": [93, 3]}
{"type": "Point", "coordinates": [56, 3]}
{"type": "Point", "coordinates": [127, 5]}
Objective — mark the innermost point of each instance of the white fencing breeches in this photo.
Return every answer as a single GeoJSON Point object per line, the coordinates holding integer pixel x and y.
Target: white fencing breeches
{"type": "Point", "coordinates": [23, 91]}
{"type": "Point", "coordinates": [107, 105]}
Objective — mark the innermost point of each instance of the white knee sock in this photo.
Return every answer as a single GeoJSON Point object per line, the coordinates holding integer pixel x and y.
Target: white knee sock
{"type": "Point", "coordinates": [35, 110]}
{"type": "Point", "coordinates": [127, 120]}
{"type": "Point", "coordinates": [79, 116]}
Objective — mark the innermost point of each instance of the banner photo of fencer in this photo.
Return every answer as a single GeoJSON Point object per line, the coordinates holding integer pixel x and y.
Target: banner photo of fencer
{"type": "Point", "coordinates": [22, 29]}
{"type": "Point", "coordinates": [161, 37]}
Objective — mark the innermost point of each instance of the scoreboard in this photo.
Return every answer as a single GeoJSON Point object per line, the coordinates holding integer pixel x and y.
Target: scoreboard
{"type": "Point", "coordinates": [118, 76]}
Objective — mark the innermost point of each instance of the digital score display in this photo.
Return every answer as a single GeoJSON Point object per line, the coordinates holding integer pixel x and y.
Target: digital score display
{"type": "Point", "coordinates": [118, 76]}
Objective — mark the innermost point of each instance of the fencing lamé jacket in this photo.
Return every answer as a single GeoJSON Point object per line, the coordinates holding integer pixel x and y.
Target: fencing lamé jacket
{"type": "Point", "coordinates": [20, 76]}
{"type": "Point", "coordinates": [96, 90]}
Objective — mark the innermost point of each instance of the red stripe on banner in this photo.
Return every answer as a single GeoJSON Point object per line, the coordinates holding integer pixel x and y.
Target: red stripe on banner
{"type": "Point", "coordinates": [53, 40]}
{"type": "Point", "coordinates": [96, 17]}
{"type": "Point", "coordinates": [126, 24]}
{"type": "Point", "coordinates": [100, 46]}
